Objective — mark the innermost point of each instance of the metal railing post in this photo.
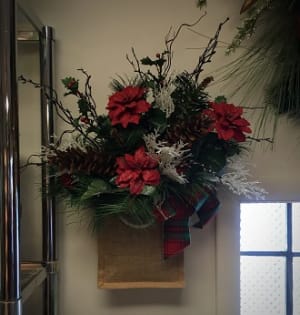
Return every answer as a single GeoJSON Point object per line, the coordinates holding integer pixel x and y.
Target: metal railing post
{"type": "Point", "coordinates": [48, 202]}
{"type": "Point", "coordinates": [10, 295]}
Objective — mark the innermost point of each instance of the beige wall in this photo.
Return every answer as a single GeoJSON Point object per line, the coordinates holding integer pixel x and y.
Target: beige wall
{"type": "Point", "coordinates": [96, 35]}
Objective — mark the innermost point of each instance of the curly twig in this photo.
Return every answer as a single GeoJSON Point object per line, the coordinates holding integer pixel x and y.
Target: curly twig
{"type": "Point", "coordinates": [136, 65]}
{"type": "Point", "coordinates": [169, 41]}
{"type": "Point", "coordinates": [61, 111]}
{"type": "Point", "coordinates": [88, 93]}
{"type": "Point", "coordinates": [270, 140]}
{"type": "Point", "coordinates": [209, 51]}
{"type": "Point", "coordinates": [29, 163]}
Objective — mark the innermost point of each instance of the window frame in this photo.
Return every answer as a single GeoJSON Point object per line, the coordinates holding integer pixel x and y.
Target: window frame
{"type": "Point", "coordinates": [288, 254]}
{"type": "Point", "coordinates": [228, 250]}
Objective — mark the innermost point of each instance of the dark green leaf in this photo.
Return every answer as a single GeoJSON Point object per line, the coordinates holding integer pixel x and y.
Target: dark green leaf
{"type": "Point", "coordinates": [158, 118]}
{"type": "Point", "coordinates": [220, 99]}
{"type": "Point", "coordinates": [70, 83]}
{"type": "Point", "coordinates": [83, 106]}
{"type": "Point", "coordinates": [96, 187]}
{"type": "Point", "coordinates": [201, 3]}
{"type": "Point", "coordinates": [147, 61]}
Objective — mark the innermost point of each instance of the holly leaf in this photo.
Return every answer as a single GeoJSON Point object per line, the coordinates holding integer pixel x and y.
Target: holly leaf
{"type": "Point", "coordinates": [96, 187]}
{"type": "Point", "coordinates": [147, 61]}
{"type": "Point", "coordinates": [83, 106]}
{"type": "Point", "coordinates": [70, 84]}
{"type": "Point", "coordinates": [201, 3]}
{"type": "Point", "coordinates": [220, 99]}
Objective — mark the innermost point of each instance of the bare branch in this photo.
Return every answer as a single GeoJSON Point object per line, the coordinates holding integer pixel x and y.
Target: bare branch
{"type": "Point", "coordinates": [169, 41]}
{"type": "Point", "coordinates": [208, 52]}
{"type": "Point", "coordinates": [61, 111]}
{"type": "Point", "coordinates": [269, 140]}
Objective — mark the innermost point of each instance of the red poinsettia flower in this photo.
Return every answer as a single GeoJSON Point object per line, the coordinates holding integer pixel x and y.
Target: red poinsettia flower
{"type": "Point", "coordinates": [126, 106]}
{"type": "Point", "coordinates": [137, 170]}
{"type": "Point", "coordinates": [228, 121]}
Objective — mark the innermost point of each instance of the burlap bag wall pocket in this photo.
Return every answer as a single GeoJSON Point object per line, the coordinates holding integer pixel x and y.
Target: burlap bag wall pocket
{"type": "Point", "coordinates": [132, 258]}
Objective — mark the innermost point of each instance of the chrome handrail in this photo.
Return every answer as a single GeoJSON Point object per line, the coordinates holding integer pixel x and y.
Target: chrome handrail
{"type": "Point", "coordinates": [48, 202]}
{"type": "Point", "coordinates": [10, 295]}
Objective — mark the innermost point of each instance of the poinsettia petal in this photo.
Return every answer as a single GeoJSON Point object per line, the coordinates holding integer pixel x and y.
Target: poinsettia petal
{"type": "Point", "coordinates": [137, 92]}
{"type": "Point", "coordinates": [225, 133]}
{"type": "Point", "coordinates": [239, 136]}
{"type": "Point", "coordinates": [218, 108]}
{"type": "Point", "coordinates": [125, 119]}
{"type": "Point", "coordinates": [118, 97]}
{"type": "Point", "coordinates": [136, 186]}
{"type": "Point", "coordinates": [127, 105]}
{"type": "Point", "coordinates": [246, 129]}
{"type": "Point", "coordinates": [151, 177]}
{"type": "Point", "coordinates": [228, 121]}
{"type": "Point", "coordinates": [241, 122]}
{"type": "Point", "coordinates": [150, 162]}
{"type": "Point", "coordinates": [125, 178]}
{"type": "Point", "coordinates": [131, 162]}
{"type": "Point", "coordinates": [135, 119]}
{"type": "Point", "coordinates": [139, 156]}
{"type": "Point", "coordinates": [136, 170]}
{"type": "Point", "coordinates": [122, 164]}
{"type": "Point", "coordinates": [117, 110]}
{"type": "Point", "coordinates": [141, 106]}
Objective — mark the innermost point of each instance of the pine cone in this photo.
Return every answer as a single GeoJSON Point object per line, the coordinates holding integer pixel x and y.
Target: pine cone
{"type": "Point", "coordinates": [75, 160]}
{"type": "Point", "coordinates": [191, 130]}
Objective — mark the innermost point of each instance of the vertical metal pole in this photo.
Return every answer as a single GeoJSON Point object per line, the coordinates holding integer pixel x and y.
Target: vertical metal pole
{"type": "Point", "coordinates": [48, 203]}
{"type": "Point", "coordinates": [10, 295]}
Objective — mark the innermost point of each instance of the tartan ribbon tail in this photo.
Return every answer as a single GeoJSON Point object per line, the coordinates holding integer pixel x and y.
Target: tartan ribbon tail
{"type": "Point", "coordinates": [176, 236]}
{"type": "Point", "coordinates": [176, 228]}
{"type": "Point", "coordinates": [176, 220]}
{"type": "Point", "coordinates": [207, 210]}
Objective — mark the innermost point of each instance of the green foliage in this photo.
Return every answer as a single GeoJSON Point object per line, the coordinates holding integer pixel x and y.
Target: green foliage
{"type": "Point", "coordinates": [201, 3]}
{"type": "Point", "coordinates": [71, 84]}
{"type": "Point", "coordinates": [83, 106]}
{"type": "Point", "coordinates": [189, 97]}
{"type": "Point", "coordinates": [157, 119]}
{"type": "Point", "coordinates": [248, 27]}
{"type": "Point", "coordinates": [212, 153]}
{"type": "Point", "coordinates": [95, 188]}
{"type": "Point", "coordinates": [121, 82]}
{"type": "Point", "coordinates": [138, 210]}
{"type": "Point", "coordinates": [221, 99]}
{"type": "Point", "coordinates": [147, 61]}
{"type": "Point", "coordinates": [270, 66]}
{"type": "Point", "coordinates": [132, 139]}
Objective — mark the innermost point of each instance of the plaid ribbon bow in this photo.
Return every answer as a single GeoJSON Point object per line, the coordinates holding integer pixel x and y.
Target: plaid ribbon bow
{"type": "Point", "coordinates": [176, 219]}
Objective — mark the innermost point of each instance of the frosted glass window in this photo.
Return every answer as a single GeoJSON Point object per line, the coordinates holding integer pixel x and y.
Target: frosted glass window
{"type": "Point", "coordinates": [296, 227]}
{"type": "Point", "coordinates": [263, 286]}
{"type": "Point", "coordinates": [296, 285]}
{"type": "Point", "coordinates": [263, 227]}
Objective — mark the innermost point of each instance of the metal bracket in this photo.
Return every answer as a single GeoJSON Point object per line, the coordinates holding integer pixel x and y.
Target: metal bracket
{"type": "Point", "coordinates": [51, 266]}
{"type": "Point", "coordinates": [10, 307]}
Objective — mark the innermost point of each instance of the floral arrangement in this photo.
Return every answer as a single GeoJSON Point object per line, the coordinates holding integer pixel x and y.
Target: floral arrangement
{"type": "Point", "coordinates": [159, 153]}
